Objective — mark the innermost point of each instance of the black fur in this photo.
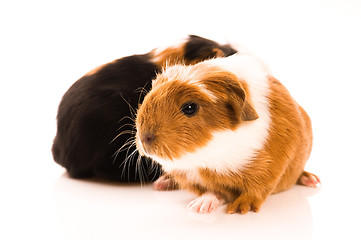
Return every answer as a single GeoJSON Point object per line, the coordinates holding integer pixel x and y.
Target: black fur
{"type": "Point", "coordinates": [91, 114]}
{"type": "Point", "coordinates": [96, 109]}
{"type": "Point", "coordinates": [197, 48]}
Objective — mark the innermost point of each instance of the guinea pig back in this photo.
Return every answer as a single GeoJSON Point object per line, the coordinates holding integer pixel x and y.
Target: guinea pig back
{"type": "Point", "coordinates": [95, 126]}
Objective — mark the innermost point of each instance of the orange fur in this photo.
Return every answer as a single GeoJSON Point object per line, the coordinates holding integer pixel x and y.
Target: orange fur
{"type": "Point", "coordinates": [175, 55]}
{"type": "Point", "coordinates": [224, 103]}
{"type": "Point", "coordinates": [276, 167]}
{"type": "Point", "coordinates": [169, 56]}
{"type": "Point", "coordinates": [163, 103]}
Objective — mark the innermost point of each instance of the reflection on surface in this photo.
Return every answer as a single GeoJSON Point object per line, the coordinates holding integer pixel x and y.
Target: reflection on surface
{"type": "Point", "coordinates": [97, 209]}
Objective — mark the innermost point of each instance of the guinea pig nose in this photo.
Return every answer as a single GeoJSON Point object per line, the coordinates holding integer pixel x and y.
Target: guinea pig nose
{"type": "Point", "coordinates": [148, 138]}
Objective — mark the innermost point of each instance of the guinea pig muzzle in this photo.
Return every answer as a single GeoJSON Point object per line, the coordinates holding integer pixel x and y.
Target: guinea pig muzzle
{"type": "Point", "coordinates": [144, 142]}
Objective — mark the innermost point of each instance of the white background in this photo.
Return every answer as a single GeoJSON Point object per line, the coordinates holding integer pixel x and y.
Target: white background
{"type": "Point", "coordinates": [312, 46]}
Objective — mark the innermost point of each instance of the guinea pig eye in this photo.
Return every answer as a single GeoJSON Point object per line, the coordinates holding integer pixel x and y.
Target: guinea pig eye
{"type": "Point", "coordinates": [189, 109]}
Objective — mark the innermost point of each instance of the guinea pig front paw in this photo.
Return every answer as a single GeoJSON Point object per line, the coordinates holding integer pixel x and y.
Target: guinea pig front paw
{"type": "Point", "coordinates": [244, 203]}
{"type": "Point", "coordinates": [165, 183]}
{"type": "Point", "coordinates": [207, 203]}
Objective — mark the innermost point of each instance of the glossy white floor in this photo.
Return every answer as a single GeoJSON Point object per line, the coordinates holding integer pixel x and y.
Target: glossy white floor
{"type": "Point", "coordinates": [312, 46]}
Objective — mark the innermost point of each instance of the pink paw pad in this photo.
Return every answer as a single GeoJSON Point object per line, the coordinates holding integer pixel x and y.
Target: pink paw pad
{"type": "Point", "coordinates": [207, 203]}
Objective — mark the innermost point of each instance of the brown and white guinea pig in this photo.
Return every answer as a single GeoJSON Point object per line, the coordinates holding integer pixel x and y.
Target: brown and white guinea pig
{"type": "Point", "coordinates": [226, 130]}
{"type": "Point", "coordinates": [94, 122]}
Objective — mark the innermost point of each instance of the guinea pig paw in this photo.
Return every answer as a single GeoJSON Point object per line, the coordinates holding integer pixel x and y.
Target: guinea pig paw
{"type": "Point", "coordinates": [308, 179]}
{"type": "Point", "coordinates": [165, 183]}
{"type": "Point", "coordinates": [207, 203]}
{"type": "Point", "coordinates": [243, 204]}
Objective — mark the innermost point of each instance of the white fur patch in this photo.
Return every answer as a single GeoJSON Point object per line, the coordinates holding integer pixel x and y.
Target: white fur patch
{"type": "Point", "coordinates": [209, 93]}
{"type": "Point", "coordinates": [180, 72]}
{"type": "Point", "coordinates": [229, 150]}
{"type": "Point", "coordinates": [241, 50]}
{"type": "Point", "coordinates": [187, 74]}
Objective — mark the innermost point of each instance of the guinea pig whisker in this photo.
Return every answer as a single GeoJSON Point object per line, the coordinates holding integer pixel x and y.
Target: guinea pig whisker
{"type": "Point", "coordinates": [148, 166]}
{"type": "Point", "coordinates": [128, 131]}
{"type": "Point", "coordinates": [122, 149]}
{"type": "Point", "coordinates": [142, 91]}
{"type": "Point", "coordinates": [139, 166]}
{"type": "Point", "coordinates": [128, 160]}
{"type": "Point", "coordinates": [127, 117]}
{"type": "Point", "coordinates": [144, 171]}
{"type": "Point", "coordinates": [153, 167]}
{"type": "Point", "coordinates": [129, 145]}
{"type": "Point", "coordinates": [124, 166]}
{"type": "Point", "coordinates": [131, 140]}
{"type": "Point", "coordinates": [126, 146]}
{"type": "Point", "coordinates": [133, 143]}
{"type": "Point", "coordinates": [140, 170]}
{"type": "Point", "coordinates": [115, 156]}
{"type": "Point", "coordinates": [122, 133]}
{"type": "Point", "coordinates": [131, 109]}
{"type": "Point", "coordinates": [127, 125]}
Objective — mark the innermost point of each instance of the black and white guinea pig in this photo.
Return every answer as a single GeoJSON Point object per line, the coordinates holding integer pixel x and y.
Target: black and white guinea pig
{"type": "Point", "coordinates": [226, 130]}
{"type": "Point", "coordinates": [94, 121]}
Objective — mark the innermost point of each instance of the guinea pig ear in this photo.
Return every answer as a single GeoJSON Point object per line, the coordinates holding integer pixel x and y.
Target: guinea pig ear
{"type": "Point", "coordinates": [248, 113]}
{"type": "Point", "coordinates": [232, 95]}
{"type": "Point", "coordinates": [238, 104]}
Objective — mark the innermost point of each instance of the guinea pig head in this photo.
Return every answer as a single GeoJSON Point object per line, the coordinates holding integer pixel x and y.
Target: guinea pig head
{"type": "Point", "coordinates": [186, 105]}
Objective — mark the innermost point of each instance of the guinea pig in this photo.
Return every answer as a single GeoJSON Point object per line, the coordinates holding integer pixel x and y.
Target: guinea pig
{"type": "Point", "coordinates": [226, 130]}
{"type": "Point", "coordinates": [94, 121]}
